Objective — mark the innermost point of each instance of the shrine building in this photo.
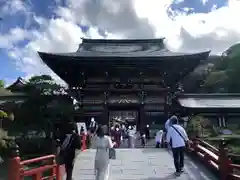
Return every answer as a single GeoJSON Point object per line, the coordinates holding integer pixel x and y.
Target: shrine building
{"type": "Point", "coordinates": [130, 80]}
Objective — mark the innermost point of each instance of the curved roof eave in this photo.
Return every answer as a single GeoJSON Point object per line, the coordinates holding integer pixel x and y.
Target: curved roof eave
{"type": "Point", "coordinates": [91, 55]}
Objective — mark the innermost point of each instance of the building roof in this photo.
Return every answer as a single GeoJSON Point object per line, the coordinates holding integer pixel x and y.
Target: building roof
{"type": "Point", "coordinates": [207, 101]}
{"type": "Point", "coordinates": [6, 95]}
{"type": "Point", "coordinates": [17, 85]}
{"type": "Point", "coordinates": [122, 48]}
{"type": "Point", "coordinates": [128, 57]}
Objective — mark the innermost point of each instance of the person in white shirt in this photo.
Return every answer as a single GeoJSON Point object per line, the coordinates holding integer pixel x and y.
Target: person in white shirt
{"type": "Point", "coordinates": [167, 124]}
{"type": "Point", "coordinates": [177, 138]}
{"type": "Point", "coordinates": [131, 137]}
{"type": "Point", "coordinates": [158, 138]}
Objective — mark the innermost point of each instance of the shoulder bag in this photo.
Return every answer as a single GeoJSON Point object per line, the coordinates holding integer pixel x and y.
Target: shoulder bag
{"type": "Point", "coordinates": [112, 153]}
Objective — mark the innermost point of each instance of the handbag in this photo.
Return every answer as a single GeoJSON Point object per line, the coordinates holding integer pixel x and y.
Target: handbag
{"type": "Point", "coordinates": [112, 153]}
{"type": "Point", "coordinates": [186, 142]}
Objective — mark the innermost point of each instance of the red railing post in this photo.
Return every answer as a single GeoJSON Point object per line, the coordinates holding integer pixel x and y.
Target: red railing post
{"type": "Point", "coordinates": [224, 161]}
{"type": "Point", "coordinates": [59, 172]}
{"type": "Point", "coordinates": [195, 143]}
{"type": "Point", "coordinates": [83, 141]}
{"type": "Point", "coordinates": [14, 169]}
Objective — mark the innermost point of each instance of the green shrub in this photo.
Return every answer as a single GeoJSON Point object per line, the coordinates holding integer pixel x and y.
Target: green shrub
{"type": "Point", "coordinates": [197, 125]}
{"type": "Point", "coordinates": [5, 142]}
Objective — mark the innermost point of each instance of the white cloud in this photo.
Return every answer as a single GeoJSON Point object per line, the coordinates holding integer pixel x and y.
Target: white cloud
{"type": "Point", "coordinates": [216, 30]}
{"type": "Point", "coordinates": [204, 2]}
{"type": "Point", "coordinates": [11, 7]}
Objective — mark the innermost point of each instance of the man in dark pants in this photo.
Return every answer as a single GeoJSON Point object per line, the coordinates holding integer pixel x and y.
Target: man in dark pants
{"type": "Point", "coordinates": [177, 138]}
{"type": "Point", "coordinates": [67, 149]}
{"type": "Point", "coordinates": [178, 156]}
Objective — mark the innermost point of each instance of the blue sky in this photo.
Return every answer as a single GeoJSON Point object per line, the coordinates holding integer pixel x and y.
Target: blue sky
{"type": "Point", "coordinates": [24, 15]}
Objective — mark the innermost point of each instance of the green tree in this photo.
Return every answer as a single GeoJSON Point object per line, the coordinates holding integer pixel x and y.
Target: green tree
{"type": "Point", "coordinates": [44, 104]}
{"type": "Point", "coordinates": [224, 76]}
{"type": "Point", "coordinates": [197, 125]}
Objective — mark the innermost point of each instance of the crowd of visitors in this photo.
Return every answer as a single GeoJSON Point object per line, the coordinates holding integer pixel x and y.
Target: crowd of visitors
{"type": "Point", "coordinates": [105, 140]}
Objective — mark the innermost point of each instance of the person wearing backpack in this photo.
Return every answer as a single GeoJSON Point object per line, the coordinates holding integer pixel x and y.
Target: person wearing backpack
{"type": "Point", "coordinates": [71, 143]}
{"type": "Point", "coordinates": [178, 139]}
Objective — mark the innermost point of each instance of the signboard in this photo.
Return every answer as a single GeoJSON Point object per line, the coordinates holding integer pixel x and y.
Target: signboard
{"type": "Point", "coordinates": [81, 124]}
{"type": "Point", "coordinates": [123, 100]}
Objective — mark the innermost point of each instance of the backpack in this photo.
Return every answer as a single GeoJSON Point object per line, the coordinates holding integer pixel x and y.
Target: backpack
{"type": "Point", "coordinates": [66, 145]}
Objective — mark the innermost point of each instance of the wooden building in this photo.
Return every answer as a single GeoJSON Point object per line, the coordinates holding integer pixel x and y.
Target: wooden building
{"type": "Point", "coordinates": [17, 86]}
{"type": "Point", "coordinates": [129, 79]}
{"type": "Point", "coordinates": [222, 110]}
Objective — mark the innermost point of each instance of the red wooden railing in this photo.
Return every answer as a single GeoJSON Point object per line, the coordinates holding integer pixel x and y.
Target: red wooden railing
{"type": "Point", "coordinates": [17, 170]}
{"type": "Point", "coordinates": [217, 159]}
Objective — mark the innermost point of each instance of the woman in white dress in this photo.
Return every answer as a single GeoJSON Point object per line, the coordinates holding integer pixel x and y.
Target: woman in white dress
{"type": "Point", "coordinates": [102, 144]}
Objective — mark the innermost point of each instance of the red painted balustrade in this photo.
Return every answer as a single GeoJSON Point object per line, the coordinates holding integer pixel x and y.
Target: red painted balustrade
{"type": "Point", "coordinates": [215, 158]}
{"type": "Point", "coordinates": [17, 171]}
{"type": "Point", "coordinates": [17, 168]}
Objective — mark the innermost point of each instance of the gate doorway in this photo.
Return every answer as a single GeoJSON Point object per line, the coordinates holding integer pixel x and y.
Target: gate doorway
{"type": "Point", "coordinates": [126, 117]}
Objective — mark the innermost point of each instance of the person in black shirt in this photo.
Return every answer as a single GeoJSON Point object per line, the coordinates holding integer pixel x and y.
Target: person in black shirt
{"type": "Point", "coordinates": [147, 132]}
{"type": "Point", "coordinates": [71, 143]}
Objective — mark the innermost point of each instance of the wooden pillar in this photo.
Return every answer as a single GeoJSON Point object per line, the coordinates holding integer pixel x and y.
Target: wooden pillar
{"type": "Point", "coordinates": [106, 113]}
{"type": "Point", "coordinates": [141, 118]}
{"type": "Point", "coordinates": [223, 121]}
{"type": "Point", "coordinates": [81, 110]}
{"type": "Point", "coordinates": [141, 121]}
{"type": "Point", "coordinates": [166, 105]}
{"type": "Point", "coordinates": [14, 169]}
{"type": "Point", "coordinates": [224, 162]}
{"type": "Point", "coordinates": [220, 121]}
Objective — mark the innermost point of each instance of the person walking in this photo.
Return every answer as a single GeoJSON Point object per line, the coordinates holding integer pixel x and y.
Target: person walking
{"type": "Point", "coordinates": [103, 144]}
{"type": "Point", "coordinates": [147, 132]}
{"type": "Point", "coordinates": [67, 150]}
{"type": "Point", "coordinates": [143, 137]}
{"type": "Point", "coordinates": [177, 138]}
{"type": "Point", "coordinates": [131, 137]}
{"type": "Point", "coordinates": [158, 138]}
{"type": "Point", "coordinates": [167, 125]}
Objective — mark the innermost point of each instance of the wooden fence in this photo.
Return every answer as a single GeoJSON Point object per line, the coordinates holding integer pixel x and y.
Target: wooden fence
{"type": "Point", "coordinates": [215, 158]}
{"type": "Point", "coordinates": [46, 168]}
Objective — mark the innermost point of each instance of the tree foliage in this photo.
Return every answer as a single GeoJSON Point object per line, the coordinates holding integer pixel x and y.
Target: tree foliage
{"type": "Point", "coordinates": [224, 76]}
{"type": "Point", "coordinates": [196, 126]}
{"type": "Point", "coordinates": [2, 84]}
{"type": "Point", "coordinates": [44, 104]}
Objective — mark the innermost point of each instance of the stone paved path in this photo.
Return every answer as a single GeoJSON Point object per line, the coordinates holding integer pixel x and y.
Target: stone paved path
{"type": "Point", "coordinates": [140, 164]}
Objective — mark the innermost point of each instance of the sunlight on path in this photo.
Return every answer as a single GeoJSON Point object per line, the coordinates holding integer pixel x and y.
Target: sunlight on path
{"type": "Point", "coordinates": [140, 164]}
